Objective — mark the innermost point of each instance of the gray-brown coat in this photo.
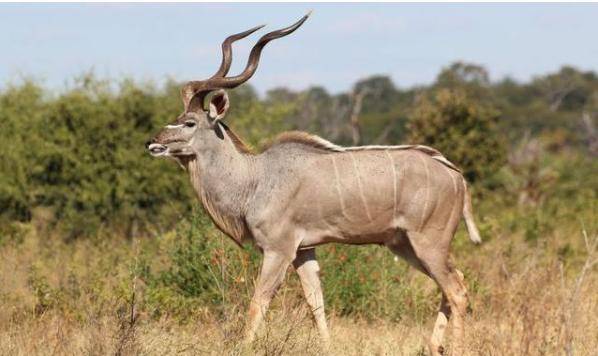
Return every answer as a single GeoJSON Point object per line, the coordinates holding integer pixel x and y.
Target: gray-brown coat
{"type": "Point", "coordinates": [303, 191]}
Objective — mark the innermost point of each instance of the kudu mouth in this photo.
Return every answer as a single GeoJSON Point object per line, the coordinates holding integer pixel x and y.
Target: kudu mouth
{"type": "Point", "coordinates": [157, 149]}
{"type": "Point", "coordinates": [173, 148]}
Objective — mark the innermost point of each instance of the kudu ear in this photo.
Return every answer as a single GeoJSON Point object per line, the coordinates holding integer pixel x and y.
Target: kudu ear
{"type": "Point", "coordinates": [218, 106]}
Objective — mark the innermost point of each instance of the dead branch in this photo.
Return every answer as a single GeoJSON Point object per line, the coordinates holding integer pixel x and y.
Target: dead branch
{"type": "Point", "coordinates": [357, 97]}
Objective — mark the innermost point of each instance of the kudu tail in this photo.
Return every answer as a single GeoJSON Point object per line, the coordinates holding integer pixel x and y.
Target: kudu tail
{"type": "Point", "coordinates": [472, 229]}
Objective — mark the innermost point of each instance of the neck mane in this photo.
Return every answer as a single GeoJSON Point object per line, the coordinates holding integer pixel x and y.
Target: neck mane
{"type": "Point", "coordinates": [240, 145]}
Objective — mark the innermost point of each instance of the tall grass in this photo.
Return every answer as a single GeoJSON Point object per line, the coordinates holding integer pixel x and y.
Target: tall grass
{"type": "Point", "coordinates": [79, 300]}
{"type": "Point", "coordinates": [532, 286]}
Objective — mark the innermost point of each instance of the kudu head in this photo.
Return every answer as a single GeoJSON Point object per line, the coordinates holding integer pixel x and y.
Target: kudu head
{"type": "Point", "coordinates": [199, 127]}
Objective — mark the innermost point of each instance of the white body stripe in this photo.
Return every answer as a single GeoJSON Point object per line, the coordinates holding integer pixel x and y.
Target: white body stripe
{"type": "Point", "coordinates": [455, 189]}
{"type": "Point", "coordinates": [427, 189]}
{"type": "Point", "coordinates": [394, 184]}
{"type": "Point", "coordinates": [360, 185]}
{"type": "Point", "coordinates": [338, 188]}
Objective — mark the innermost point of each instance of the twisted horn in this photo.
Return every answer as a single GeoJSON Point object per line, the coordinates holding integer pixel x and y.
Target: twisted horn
{"type": "Point", "coordinates": [254, 56]}
{"type": "Point", "coordinates": [227, 51]}
{"type": "Point", "coordinates": [189, 90]}
{"type": "Point", "coordinates": [194, 92]}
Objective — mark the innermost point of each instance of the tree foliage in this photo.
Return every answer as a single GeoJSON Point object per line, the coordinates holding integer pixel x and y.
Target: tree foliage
{"type": "Point", "coordinates": [464, 130]}
{"type": "Point", "coordinates": [75, 160]}
{"type": "Point", "coordinates": [78, 161]}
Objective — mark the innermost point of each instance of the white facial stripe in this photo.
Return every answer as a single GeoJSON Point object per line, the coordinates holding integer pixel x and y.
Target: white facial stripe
{"type": "Point", "coordinates": [173, 126]}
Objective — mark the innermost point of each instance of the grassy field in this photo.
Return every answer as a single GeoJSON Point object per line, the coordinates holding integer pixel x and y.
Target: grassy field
{"type": "Point", "coordinates": [104, 251]}
{"type": "Point", "coordinates": [532, 286]}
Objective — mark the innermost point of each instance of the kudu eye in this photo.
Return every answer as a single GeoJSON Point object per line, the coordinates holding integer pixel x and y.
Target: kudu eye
{"type": "Point", "coordinates": [189, 123]}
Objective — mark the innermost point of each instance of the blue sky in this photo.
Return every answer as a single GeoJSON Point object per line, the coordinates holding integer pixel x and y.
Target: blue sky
{"type": "Point", "coordinates": [338, 45]}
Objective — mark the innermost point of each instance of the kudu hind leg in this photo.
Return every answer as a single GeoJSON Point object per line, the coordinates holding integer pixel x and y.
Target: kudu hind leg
{"type": "Point", "coordinates": [308, 269]}
{"type": "Point", "coordinates": [435, 260]}
{"type": "Point", "coordinates": [460, 300]}
{"type": "Point", "coordinates": [272, 274]}
{"type": "Point", "coordinates": [442, 319]}
{"type": "Point", "coordinates": [401, 247]}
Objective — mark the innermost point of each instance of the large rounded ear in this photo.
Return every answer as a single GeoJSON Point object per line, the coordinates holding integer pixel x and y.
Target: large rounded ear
{"type": "Point", "coordinates": [218, 105]}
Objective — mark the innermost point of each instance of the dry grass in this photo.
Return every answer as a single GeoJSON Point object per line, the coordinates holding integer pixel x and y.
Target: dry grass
{"type": "Point", "coordinates": [525, 301]}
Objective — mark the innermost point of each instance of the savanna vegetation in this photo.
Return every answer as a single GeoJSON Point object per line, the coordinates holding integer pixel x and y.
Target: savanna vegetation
{"type": "Point", "coordinates": [104, 250]}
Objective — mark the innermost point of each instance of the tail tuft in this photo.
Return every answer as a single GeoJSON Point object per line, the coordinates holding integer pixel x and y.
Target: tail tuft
{"type": "Point", "coordinates": [472, 229]}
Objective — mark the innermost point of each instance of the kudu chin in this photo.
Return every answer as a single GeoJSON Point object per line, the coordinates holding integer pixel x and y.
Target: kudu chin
{"type": "Point", "coordinates": [303, 191]}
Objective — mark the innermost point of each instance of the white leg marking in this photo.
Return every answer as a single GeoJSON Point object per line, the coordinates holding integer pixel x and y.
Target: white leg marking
{"type": "Point", "coordinates": [394, 184]}
{"type": "Point", "coordinates": [365, 203]}
{"type": "Point", "coordinates": [338, 186]}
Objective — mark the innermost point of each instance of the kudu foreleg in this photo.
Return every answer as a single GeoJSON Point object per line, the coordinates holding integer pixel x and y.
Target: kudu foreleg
{"type": "Point", "coordinates": [308, 269]}
{"type": "Point", "coordinates": [274, 267]}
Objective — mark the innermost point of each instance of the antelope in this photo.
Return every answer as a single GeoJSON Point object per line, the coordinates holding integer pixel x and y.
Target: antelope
{"type": "Point", "coordinates": [303, 191]}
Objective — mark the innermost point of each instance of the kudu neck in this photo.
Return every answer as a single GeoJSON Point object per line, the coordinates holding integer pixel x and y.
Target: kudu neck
{"type": "Point", "coordinates": [224, 179]}
{"type": "Point", "coordinates": [224, 167]}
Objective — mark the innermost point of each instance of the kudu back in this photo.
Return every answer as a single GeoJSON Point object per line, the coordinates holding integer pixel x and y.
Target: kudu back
{"type": "Point", "coordinates": [303, 191]}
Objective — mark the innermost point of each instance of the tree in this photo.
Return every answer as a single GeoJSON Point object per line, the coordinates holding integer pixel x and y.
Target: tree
{"type": "Point", "coordinates": [568, 89]}
{"type": "Point", "coordinates": [21, 108]}
{"type": "Point", "coordinates": [381, 93]}
{"type": "Point", "coordinates": [460, 73]}
{"type": "Point", "coordinates": [461, 128]}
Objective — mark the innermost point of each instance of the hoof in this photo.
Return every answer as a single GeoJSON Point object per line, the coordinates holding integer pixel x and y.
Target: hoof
{"type": "Point", "coordinates": [436, 350]}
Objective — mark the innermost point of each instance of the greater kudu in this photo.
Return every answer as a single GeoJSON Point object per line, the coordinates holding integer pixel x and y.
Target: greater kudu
{"type": "Point", "coordinates": [303, 191]}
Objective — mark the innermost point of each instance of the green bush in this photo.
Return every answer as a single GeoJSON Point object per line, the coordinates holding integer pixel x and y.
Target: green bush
{"type": "Point", "coordinates": [21, 109]}
{"type": "Point", "coordinates": [203, 270]}
{"type": "Point", "coordinates": [81, 155]}
{"type": "Point", "coordinates": [367, 281]}
{"type": "Point", "coordinates": [462, 129]}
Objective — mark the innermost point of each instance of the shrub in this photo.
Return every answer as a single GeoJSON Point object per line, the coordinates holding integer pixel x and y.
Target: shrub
{"type": "Point", "coordinates": [462, 129]}
{"type": "Point", "coordinates": [367, 281]}
{"type": "Point", "coordinates": [202, 271]}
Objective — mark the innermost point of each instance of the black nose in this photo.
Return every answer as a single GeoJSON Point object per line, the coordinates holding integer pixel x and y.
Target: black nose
{"type": "Point", "coordinates": [148, 143]}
